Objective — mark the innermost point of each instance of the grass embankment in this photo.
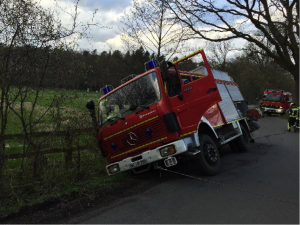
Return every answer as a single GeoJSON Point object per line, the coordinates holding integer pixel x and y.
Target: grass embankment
{"type": "Point", "coordinates": [30, 181]}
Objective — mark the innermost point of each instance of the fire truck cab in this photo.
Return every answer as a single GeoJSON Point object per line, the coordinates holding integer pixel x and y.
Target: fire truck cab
{"type": "Point", "coordinates": [165, 114]}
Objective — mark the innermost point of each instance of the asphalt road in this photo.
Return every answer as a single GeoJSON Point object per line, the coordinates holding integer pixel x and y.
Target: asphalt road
{"type": "Point", "coordinates": [260, 186]}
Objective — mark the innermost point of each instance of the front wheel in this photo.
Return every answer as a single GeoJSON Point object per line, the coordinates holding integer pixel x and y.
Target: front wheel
{"type": "Point", "coordinates": [209, 158]}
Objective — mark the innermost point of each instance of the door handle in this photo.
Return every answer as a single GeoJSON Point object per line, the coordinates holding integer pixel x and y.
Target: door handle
{"type": "Point", "coordinates": [180, 96]}
{"type": "Point", "coordinates": [211, 90]}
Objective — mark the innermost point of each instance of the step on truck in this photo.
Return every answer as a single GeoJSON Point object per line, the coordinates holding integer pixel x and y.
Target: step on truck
{"type": "Point", "coordinates": [165, 114]}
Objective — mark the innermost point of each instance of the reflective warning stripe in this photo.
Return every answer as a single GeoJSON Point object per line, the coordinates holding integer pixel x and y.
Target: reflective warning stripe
{"type": "Point", "coordinates": [236, 120]}
{"type": "Point", "coordinates": [165, 87]}
{"type": "Point", "coordinates": [191, 75]}
{"type": "Point", "coordinates": [294, 112]}
{"type": "Point", "coordinates": [218, 125]}
{"type": "Point", "coordinates": [130, 128]}
{"type": "Point", "coordinates": [188, 56]}
{"type": "Point", "coordinates": [229, 122]}
{"type": "Point", "coordinates": [192, 132]}
{"type": "Point", "coordinates": [132, 150]}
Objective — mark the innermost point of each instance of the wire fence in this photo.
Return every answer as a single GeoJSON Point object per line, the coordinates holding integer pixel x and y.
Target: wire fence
{"type": "Point", "coordinates": [67, 135]}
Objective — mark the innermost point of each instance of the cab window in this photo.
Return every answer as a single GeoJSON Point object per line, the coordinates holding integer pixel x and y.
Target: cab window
{"type": "Point", "coordinates": [185, 79]}
{"type": "Point", "coordinates": [173, 84]}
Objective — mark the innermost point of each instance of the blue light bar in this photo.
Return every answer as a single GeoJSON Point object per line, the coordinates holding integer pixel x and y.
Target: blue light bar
{"type": "Point", "coordinates": [150, 65]}
{"type": "Point", "coordinates": [106, 89]}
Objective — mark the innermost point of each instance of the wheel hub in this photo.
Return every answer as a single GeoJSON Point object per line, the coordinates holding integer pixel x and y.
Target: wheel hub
{"type": "Point", "coordinates": [210, 153]}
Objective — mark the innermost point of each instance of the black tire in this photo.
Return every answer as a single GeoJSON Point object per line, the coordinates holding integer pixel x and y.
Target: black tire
{"type": "Point", "coordinates": [241, 143]}
{"type": "Point", "coordinates": [208, 158]}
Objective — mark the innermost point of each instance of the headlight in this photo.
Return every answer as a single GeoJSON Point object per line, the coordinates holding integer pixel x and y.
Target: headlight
{"type": "Point", "coordinates": [280, 107]}
{"type": "Point", "coordinates": [169, 150]}
{"type": "Point", "coordinates": [113, 169]}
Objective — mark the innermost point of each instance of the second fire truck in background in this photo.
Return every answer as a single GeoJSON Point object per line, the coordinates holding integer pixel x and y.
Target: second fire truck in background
{"type": "Point", "coordinates": [275, 102]}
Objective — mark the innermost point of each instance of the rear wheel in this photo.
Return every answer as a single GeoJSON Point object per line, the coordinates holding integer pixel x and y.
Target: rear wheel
{"type": "Point", "coordinates": [209, 158]}
{"type": "Point", "coordinates": [233, 146]}
{"type": "Point", "coordinates": [241, 143]}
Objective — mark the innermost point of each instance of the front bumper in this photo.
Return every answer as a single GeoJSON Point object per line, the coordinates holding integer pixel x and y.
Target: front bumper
{"type": "Point", "coordinates": [272, 110]}
{"type": "Point", "coordinates": [148, 157]}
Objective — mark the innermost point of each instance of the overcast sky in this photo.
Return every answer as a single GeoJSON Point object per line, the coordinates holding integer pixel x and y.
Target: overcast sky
{"type": "Point", "coordinates": [105, 36]}
{"type": "Point", "coordinates": [108, 14]}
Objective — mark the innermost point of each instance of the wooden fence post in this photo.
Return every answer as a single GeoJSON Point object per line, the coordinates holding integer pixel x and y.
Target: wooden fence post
{"type": "Point", "coordinates": [2, 148]}
{"type": "Point", "coordinates": [68, 152]}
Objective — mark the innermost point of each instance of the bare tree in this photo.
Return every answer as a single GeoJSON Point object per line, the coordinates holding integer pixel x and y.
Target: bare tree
{"type": "Point", "coordinates": [31, 43]}
{"type": "Point", "coordinates": [219, 53]}
{"type": "Point", "coordinates": [273, 26]}
{"type": "Point", "coordinates": [148, 24]}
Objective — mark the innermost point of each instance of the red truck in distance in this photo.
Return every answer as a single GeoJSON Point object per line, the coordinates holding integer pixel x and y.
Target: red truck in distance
{"type": "Point", "coordinates": [164, 115]}
{"type": "Point", "coordinates": [275, 102]}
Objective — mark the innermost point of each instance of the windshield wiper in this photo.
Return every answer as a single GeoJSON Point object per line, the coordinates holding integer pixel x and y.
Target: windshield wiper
{"type": "Point", "coordinates": [115, 118]}
{"type": "Point", "coordinates": [134, 107]}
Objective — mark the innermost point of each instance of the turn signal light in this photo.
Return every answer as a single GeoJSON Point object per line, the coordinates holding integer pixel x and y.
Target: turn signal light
{"type": "Point", "coordinates": [169, 150]}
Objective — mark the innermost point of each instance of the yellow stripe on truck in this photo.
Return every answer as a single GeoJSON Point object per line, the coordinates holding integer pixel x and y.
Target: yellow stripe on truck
{"type": "Point", "coordinates": [130, 127]}
{"type": "Point", "coordinates": [236, 120]}
{"type": "Point", "coordinates": [183, 58]}
{"type": "Point", "coordinates": [229, 122]}
{"type": "Point", "coordinates": [192, 132]}
{"type": "Point", "coordinates": [191, 75]}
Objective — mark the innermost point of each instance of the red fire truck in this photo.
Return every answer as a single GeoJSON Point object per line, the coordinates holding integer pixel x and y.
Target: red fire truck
{"type": "Point", "coordinates": [275, 101]}
{"type": "Point", "coordinates": [164, 115]}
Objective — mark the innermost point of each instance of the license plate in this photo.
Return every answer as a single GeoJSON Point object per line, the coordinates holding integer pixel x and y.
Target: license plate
{"type": "Point", "coordinates": [138, 163]}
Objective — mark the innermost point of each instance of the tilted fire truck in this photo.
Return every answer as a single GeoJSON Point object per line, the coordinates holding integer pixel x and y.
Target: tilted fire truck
{"type": "Point", "coordinates": [275, 101]}
{"type": "Point", "coordinates": [166, 114]}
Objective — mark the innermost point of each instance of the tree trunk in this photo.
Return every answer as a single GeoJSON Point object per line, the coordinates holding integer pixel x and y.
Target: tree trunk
{"type": "Point", "coordinates": [296, 96]}
{"type": "Point", "coordinates": [2, 147]}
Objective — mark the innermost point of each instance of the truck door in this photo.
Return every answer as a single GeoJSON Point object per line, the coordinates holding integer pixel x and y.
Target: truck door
{"type": "Point", "coordinates": [191, 98]}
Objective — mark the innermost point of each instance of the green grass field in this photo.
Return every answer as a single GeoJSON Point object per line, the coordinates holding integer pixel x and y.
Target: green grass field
{"type": "Point", "coordinates": [68, 101]}
{"type": "Point", "coordinates": [53, 176]}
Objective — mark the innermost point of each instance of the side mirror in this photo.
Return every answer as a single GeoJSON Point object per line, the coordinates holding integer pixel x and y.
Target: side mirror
{"type": "Point", "coordinates": [164, 70]}
{"type": "Point", "coordinates": [90, 105]}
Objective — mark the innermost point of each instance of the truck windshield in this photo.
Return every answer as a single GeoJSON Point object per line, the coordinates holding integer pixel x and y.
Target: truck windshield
{"type": "Point", "coordinates": [139, 93]}
{"type": "Point", "coordinates": [273, 98]}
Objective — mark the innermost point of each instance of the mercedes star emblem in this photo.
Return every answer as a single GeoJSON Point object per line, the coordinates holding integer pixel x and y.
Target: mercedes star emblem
{"type": "Point", "coordinates": [132, 138]}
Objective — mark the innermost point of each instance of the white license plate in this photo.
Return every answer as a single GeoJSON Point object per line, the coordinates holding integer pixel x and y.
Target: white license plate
{"type": "Point", "coordinates": [138, 163]}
